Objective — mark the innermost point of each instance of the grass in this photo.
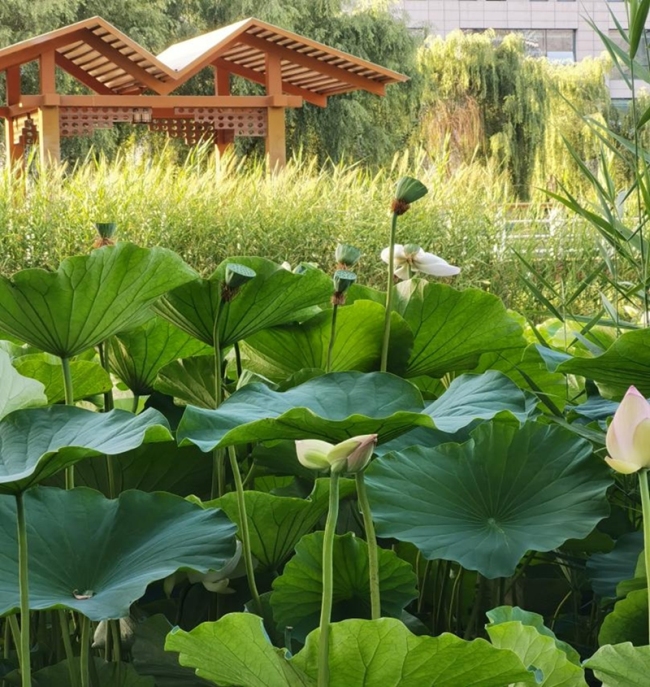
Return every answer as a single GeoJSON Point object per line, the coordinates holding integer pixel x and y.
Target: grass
{"type": "Point", "coordinates": [208, 212]}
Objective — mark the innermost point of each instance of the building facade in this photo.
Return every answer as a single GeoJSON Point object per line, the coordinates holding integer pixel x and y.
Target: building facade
{"type": "Point", "coordinates": [557, 29]}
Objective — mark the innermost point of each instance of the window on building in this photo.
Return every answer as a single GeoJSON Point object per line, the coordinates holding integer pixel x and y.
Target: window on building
{"type": "Point", "coordinates": [641, 56]}
{"type": "Point", "coordinates": [555, 44]}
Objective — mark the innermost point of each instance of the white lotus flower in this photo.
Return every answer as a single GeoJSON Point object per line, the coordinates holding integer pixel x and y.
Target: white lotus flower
{"type": "Point", "coordinates": [412, 258]}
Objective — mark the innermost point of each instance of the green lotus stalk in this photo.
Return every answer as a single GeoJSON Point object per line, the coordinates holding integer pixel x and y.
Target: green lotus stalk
{"type": "Point", "coordinates": [328, 582]}
{"type": "Point", "coordinates": [244, 531]}
{"type": "Point", "coordinates": [67, 646]}
{"type": "Point", "coordinates": [645, 505]}
{"type": "Point", "coordinates": [389, 295]}
{"type": "Point", "coordinates": [373, 551]}
{"type": "Point", "coordinates": [330, 348]}
{"type": "Point", "coordinates": [84, 660]}
{"type": "Point", "coordinates": [69, 401]}
{"type": "Point", "coordinates": [408, 191]}
{"type": "Point", "coordinates": [108, 406]}
{"type": "Point", "coordinates": [218, 458]}
{"type": "Point", "coordinates": [23, 576]}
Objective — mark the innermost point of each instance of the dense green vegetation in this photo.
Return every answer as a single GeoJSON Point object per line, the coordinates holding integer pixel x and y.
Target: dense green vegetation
{"type": "Point", "coordinates": [207, 214]}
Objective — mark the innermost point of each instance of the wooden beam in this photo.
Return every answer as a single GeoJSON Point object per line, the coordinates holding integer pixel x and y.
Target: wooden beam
{"type": "Point", "coordinates": [13, 87]}
{"type": "Point", "coordinates": [276, 141]}
{"type": "Point", "coordinates": [236, 101]}
{"type": "Point", "coordinates": [80, 75]}
{"type": "Point", "coordinates": [47, 72]}
{"type": "Point", "coordinates": [257, 77]}
{"type": "Point", "coordinates": [273, 74]}
{"type": "Point", "coordinates": [122, 61]}
{"type": "Point", "coordinates": [221, 80]}
{"type": "Point", "coordinates": [49, 136]}
{"type": "Point", "coordinates": [312, 63]}
{"type": "Point", "coordinates": [33, 52]}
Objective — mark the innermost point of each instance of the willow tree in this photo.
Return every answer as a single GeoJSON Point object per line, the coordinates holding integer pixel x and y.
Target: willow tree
{"type": "Point", "coordinates": [494, 91]}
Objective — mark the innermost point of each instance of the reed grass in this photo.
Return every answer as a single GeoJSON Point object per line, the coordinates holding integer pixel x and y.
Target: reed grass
{"type": "Point", "coordinates": [208, 211]}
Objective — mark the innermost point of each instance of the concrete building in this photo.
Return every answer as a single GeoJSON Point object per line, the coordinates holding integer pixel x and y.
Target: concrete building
{"type": "Point", "coordinates": [557, 29]}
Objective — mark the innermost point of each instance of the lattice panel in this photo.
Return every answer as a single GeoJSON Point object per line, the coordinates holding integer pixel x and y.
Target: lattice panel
{"type": "Point", "coordinates": [83, 121]}
{"type": "Point", "coordinates": [25, 131]}
{"type": "Point", "coordinates": [245, 121]}
{"type": "Point", "coordinates": [190, 131]}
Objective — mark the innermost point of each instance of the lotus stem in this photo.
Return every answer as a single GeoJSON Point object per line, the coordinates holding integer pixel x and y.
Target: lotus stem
{"type": "Point", "coordinates": [23, 575]}
{"type": "Point", "coordinates": [218, 459]}
{"type": "Point", "coordinates": [373, 551]}
{"type": "Point", "coordinates": [84, 660]}
{"type": "Point", "coordinates": [330, 348]}
{"type": "Point", "coordinates": [69, 401]}
{"type": "Point", "coordinates": [244, 532]}
{"type": "Point", "coordinates": [15, 632]}
{"type": "Point", "coordinates": [67, 646]}
{"type": "Point", "coordinates": [389, 295]}
{"type": "Point", "coordinates": [136, 403]}
{"type": "Point", "coordinates": [238, 360]}
{"type": "Point", "coordinates": [328, 583]}
{"type": "Point", "coordinates": [108, 406]}
{"type": "Point", "coordinates": [645, 505]}
{"type": "Point", "coordinates": [114, 626]}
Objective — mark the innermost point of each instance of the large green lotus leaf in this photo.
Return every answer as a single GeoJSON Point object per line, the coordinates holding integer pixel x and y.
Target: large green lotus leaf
{"type": "Point", "coordinates": [625, 363]}
{"type": "Point", "coordinates": [453, 329]}
{"type": "Point", "coordinates": [275, 296]}
{"type": "Point", "coordinates": [528, 370]}
{"type": "Point", "coordinates": [333, 407]}
{"type": "Point", "coordinates": [88, 378]}
{"type": "Point", "coordinates": [82, 544]}
{"type": "Point", "coordinates": [298, 592]}
{"type": "Point", "coordinates": [37, 443]}
{"type": "Point", "coordinates": [190, 381]}
{"type": "Point", "coordinates": [235, 652]}
{"type": "Point", "coordinates": [17, 390]}
{"type": "Point", "coordinates": [151, 659]}
{"type": "Point", "coordinates": [628, 622]}
{"type": "Point", "coordinates": [150, 467]}
{"type": "Point", "coordinates": [136, 355]}
{"type": "Point", "coordinates": [277, 523]}
{"type": "Point", "coordinates": [108, 675]}
{"type": "Point", "coordinates": [539, 653]}
{"type": "Point", "coordinates": [383, 653]}
{"type": "Point", "coordinates": [486, 502]}
{"type": "Point", "coordinates": [509, 614]}
{"type": "Point", "coordinates": [607, 570]}
{"type": "Point", "coordinates": [89, 298]}
{"type": "Point", "coordinates": [280, 352]}
{"type": "Point", "coordinates": [479, 397]}
{"type": "Point", "coordinates": [622, 665]}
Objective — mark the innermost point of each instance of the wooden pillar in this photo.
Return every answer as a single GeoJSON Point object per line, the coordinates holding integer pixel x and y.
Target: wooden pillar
{"type": "Point", "coordinates": [224, 139]}
{"type": "Point", "coordinates": [276, 142]}
{"type": "Point", "coordinates": [49, 134]}
{"type": "Point", "coordinates": [15, 151]}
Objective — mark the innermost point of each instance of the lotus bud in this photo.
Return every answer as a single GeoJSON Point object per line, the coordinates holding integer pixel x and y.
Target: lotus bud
{"type": "Point", "coordinates": [628, 435]}
{"type": "Point", "coordinates": [312, 453]}
{"type": "Point", "coordinates": [106, 231]}
{"type": "Point", "coordinates": [411, 250]}
{"type": "Point", "coordinates": [346, 256]}
{"type": "Point", "coordinates": [353, 454]}
{"type": "Point", "coordinates": [286, 266]}
{"type": "Point", "coordinates": [408, 191]}
{"type": "Point", "coordinates": [127, 633]}
{"type": "Point", "coordinates": [343, 280]}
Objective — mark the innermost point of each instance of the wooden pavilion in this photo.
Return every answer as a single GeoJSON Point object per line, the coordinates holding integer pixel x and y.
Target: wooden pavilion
{"type": "Point", "coordinates": [129, 84]}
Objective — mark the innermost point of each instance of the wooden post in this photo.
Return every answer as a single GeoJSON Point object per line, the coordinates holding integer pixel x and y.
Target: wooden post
{"type": "Point", "coordinates": [15, 152]}
{"type": "Point", "coordinates": [276, 142]}
{"type": "Point", "coordinates": [223, 137]}
{"type": "Point", "coordinates": [49, 135]}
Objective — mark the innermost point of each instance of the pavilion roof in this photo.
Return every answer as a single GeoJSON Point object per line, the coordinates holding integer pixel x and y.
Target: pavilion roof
{"type": "Point", "coordinates": [108, 61]}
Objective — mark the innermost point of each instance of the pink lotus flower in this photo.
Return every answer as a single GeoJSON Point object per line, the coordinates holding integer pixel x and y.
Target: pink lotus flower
{"type": "Point", "coordinates": [628, 435]}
